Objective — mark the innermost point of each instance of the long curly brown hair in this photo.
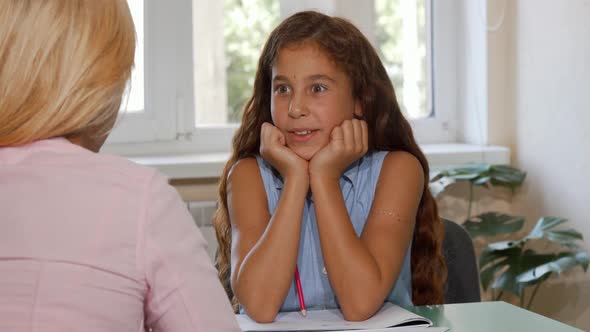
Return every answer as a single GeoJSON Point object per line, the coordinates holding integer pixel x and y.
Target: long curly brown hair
{"type": "Point", "coordinates": [388, 131]}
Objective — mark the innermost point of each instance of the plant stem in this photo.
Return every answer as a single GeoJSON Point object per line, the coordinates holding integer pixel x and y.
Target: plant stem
{"type": "Point", "coordinates": [499, 296]}
{"type": "Point", "coordinates": [470, 200]}
{"type": "Point", "coordinates": [533, 296]}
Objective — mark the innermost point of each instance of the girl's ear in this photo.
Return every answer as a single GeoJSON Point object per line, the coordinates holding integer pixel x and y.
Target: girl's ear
{"type": "Point", "coordinates": [358, 110]}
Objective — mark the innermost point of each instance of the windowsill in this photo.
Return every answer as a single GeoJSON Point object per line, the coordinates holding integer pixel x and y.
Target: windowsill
{"type": "Point", "coordinates": [210, 165]}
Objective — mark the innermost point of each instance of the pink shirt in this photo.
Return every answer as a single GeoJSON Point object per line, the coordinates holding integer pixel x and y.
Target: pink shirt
{"type": "Point", "coordinates": [91, 242]}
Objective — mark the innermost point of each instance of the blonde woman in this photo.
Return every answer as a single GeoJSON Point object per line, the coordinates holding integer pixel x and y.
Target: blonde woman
{"type": "Point", "coordinates": [88, 242]}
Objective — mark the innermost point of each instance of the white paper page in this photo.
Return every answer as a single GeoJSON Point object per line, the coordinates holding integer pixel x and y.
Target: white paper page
{"type": "Point", "coordinates": [322, 320]}
{"type": "Point", "coordinates": [404, 329]}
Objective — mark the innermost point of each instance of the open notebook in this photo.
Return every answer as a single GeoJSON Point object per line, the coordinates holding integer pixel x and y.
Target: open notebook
{"type": "Point", "coordinates": [390, 315]}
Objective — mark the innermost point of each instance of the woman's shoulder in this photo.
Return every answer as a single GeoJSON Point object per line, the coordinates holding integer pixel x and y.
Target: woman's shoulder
{"type": "Point", "coordinates": [58, 155]}
{"type": "Point", "coordinates": [110, 168]}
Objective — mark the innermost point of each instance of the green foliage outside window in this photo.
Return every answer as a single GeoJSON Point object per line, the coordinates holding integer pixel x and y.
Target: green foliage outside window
{"type": "Point", "coordinates": [247, 24]}
{"type": "Point", "coordinates": [388, 37]}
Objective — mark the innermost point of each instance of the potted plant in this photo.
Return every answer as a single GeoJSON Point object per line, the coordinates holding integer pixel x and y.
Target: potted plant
{"type": "Point", "coordinates": [513, 265]}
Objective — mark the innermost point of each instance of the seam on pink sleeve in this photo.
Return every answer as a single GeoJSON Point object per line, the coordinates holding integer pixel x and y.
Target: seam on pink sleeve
{"type": "Point", "coordinates": [191, 317]}
{"type": "Point", "coordinates": [173, 274]}
{"type": "Point", "coordinates": [194, 315]}
{"type": "Point", "coordinates": [142, 220]}
{"type": "Point", "coordinates": [176, 293]}
{"type": "Point", "coordinates": [156, 309]}
{"type": "Point", "coordinates": [36, 303]}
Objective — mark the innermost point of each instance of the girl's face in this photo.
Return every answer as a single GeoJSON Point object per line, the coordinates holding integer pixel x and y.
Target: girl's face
{"type": "Point", "coordinates": [310, 96]}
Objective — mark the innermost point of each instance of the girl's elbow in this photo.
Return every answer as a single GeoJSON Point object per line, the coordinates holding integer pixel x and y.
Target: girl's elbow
{"type": "Point", "coordinates": [356, 316]}
{"type": "Point", "coordinates": [259, 308]}
{"type": "Point", "coordinates": [358, 311]}
{"type": "Point", "coordinates": [262, 314]}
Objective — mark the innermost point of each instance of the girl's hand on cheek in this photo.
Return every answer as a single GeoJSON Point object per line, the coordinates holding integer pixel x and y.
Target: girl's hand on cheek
{"type": "Point", "coordinates": [274, 150]}
{"type": "Point", "coordinates": [348, 143]}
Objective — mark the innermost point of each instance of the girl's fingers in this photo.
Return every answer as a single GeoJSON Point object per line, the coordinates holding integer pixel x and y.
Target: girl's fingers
{"type": "Point", "coordinates": [337, 136]}
{"type": "Point", "coordinates": [270, 138]}
{"type": "Point", "coordinates": [263, 136]}
{"type": "Point", "coordinates": [358, 136]}
{"type": "Point", "coordinates": [364, 136]}
{"type": "Point", "coordinates": [267, 131]}
{"type": "Point", "coordinates": [348, 133]}
{"type": "Point", "coordinates": [271, 134]}
{"type": "Point", "coordinates": [281, 138]}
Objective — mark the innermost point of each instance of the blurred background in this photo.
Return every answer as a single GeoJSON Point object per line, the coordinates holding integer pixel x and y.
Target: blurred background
{"type": "Point", "coordinates": [482, 81]}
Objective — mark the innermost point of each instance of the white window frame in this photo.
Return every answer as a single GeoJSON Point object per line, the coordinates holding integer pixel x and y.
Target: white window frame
{"type": "Point", "coordinates": [167, 125]}
{"type": "Point", "coordinates": [168, 83]}
{"type": "Point", "coordinates": [442, 127]}
{"type": "Point", "coordinates": [441, 35]}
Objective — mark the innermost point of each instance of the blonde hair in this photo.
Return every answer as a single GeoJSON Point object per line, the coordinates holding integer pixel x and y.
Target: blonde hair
{"type": "Point", "coordinates": [64, 67]}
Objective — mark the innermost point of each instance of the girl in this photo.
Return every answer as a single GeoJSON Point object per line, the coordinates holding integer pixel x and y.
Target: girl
{"type": "Point", "coordinates": [325, 174]}
{"type": "Point", "coordinates": [88, 242]}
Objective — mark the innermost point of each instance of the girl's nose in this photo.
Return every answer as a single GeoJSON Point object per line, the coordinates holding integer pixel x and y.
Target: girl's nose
{"type": "Point", "coordinates": [297, 108]}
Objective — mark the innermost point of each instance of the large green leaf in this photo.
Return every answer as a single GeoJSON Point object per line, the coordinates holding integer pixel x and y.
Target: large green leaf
{"type": "Point", "coordinates": [470, 170]}
{"type": "Point", "coordinates": [466, 172]}
{"type": "Point", "coordinates": [505, 245]}
{"type": "Point", "coordinates": [517, 264]}
{"type": "Point", "coordinates": [560, 263]}
{"type": "Point", "coordinates": [480, 181]}
{"type": "Point", "coordinates": [502, 262]}
{"type": "Point", "coordinates": [492, 224]}
{"type": "Point", "coordinates": [506, 176]}
{"type": "Point", "coordinates": [566, 237]}
{"type": "Point", "coordinates": [491, 261]}
{"type": "Point", "coordinates": [487, 274]}
{"type": "Point", "coordinates": [504, 265]}
{"type": "Point", "coordinates": [484, 175]}
{"type": "Point", "coordinates": [543, 225]}
{"type": "Point", "coordinates": [490, 255]}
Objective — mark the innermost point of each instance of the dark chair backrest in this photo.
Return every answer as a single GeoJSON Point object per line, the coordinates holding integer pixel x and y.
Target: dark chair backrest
{"type": "Point", "coordinates": [463, 277]}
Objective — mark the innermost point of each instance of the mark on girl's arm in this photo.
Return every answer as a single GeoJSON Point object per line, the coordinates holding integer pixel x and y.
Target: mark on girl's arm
{"type": "Point", "coordinates": [390, 213]}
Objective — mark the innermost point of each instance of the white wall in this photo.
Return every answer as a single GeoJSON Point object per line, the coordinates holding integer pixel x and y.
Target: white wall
{"type": "Point", "coordinates": [553, 106]}
{"type": "Point", "coordinates": [538, 104]}
{"type": "Point", "coordinates": [472, 76]}
{"type": "Point", "coordinates": [552, 115]}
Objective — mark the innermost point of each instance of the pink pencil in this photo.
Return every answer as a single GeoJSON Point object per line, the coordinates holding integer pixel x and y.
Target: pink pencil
{"type": "Point", "coordinates": [300, 292]}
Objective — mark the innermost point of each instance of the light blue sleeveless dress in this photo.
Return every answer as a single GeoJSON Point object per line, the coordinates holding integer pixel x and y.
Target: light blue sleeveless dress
{"type": "Point", "coordinates": [358, 185]}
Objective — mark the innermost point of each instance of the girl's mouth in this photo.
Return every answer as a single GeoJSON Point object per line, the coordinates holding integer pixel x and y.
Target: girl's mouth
{"type": "Point", "coordinates": [302, 135]}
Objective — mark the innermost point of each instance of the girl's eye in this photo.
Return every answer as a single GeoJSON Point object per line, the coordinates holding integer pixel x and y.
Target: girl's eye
{"type": "Point", "coordinates": [318, 88]}
{"type": "Point", "coordinates": [281, 89]}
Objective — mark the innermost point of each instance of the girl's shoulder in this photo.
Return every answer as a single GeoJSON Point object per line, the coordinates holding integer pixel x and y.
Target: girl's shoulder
{"type": "Point", "coordinates": [371, 163]}
{"type": "Point", "coordinates": [243, 167]}
{"type": "Point", "coordinates": [377, 164]}
{"type": "Point", "coordinates": [401, 159]}
{"type": "Point", "coordinates": [380, 157]}
{"type": "Point", "coordinates": [401, 167]}
{"type": "Point", "coordinates": [254, 171]}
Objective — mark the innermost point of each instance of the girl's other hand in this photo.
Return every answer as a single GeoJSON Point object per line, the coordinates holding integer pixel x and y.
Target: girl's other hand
{"type": "Point", "coordinates": [348, 143]}
{"type": "Point", "coordinates": [274, 150]}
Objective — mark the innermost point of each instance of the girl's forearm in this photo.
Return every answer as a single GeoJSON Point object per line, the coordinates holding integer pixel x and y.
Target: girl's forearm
{"type": "Point", "coordinates": [265, 275]}
{"type": "Point", "coordinates": [353, 272]}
